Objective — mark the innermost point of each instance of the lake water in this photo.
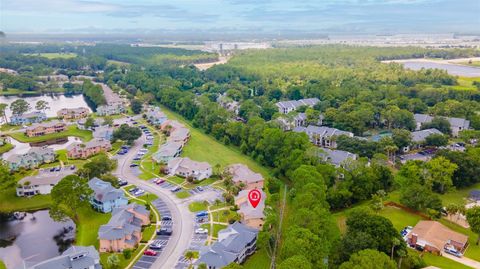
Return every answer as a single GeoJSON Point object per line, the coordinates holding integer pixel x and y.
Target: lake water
{"type": "Point", "coordinates": [56, 144]}
{"type": "Point", "coordinates": [452, 69]}
{"type": "Point", "coordinates": [55, 102]}
{"type": "Point", "coordinates": [33, 240]}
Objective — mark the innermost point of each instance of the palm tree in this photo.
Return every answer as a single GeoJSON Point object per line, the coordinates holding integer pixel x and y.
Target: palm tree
{"type": "Point", "coordinates": [3, 107]}
{"type": "Point", "coordinates": [190, 255]}
{"type": "Point", "coordinates": [202, 266]}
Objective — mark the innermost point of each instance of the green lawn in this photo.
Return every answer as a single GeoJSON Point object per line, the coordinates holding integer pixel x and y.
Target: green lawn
{"type": "Point", "coordinates": [8, 127]}
{"type": "Point", "coordinates": [10, 202]}
{"type": "Point", "coordinates": [182, 194]}
{"type": "Point", "coordinates": [216, 228]}
{"type": "Point", "coordinates": [457, 196]}
{"type": "Point", "coordinates": [259, 260]}
{"type": "Point", "coordinates": [197, 206]}
{"type": "Point", "coordinates": [224, 215]}
{"type": "Point", "coordinates": [52, 55]}
{"type": "Point", "coordinates": [123, 262]}
{"type": "Point", "coordinates": [72, 130]}
{"type": "Point", "coordinates": [2, 265]}
{"type": "Point", "coordinates": [204, 182]}
{"type": "Point", "coordinates": [148, 233]}
{"type": "Point", "coordinates": [176, 179]}
{"type": "Point", "coordinates": [399, 217]}
{"type": "Point", "coordinates": [202, 147]}
{"type": "Point", "coordinates": [5, 147]}
{"type": "Point", "coordinates": [88, 224]}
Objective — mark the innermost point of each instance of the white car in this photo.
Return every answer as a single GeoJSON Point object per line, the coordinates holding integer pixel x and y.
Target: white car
{"type": "Point", "coordinates": [201, 231]}
{"type": "Point", "coordinates": [139, 192]}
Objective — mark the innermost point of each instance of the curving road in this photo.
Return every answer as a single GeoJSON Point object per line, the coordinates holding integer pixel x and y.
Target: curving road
{"type": "Point", "coordinates": [183, 223]}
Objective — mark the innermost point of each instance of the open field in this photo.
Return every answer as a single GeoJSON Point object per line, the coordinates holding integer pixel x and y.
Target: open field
{"type": "Point", "coordinates": [53, 55]}
{"type": "Point", "coordinates": [2, 265]}
{"type": "Point", "coordinates": [123, 262]}
{"type": "Point", "coordinates": [88, 225]}
{"type": "Point", "coordinates": [10, 202]}
{"type": "Point", "coordinates": [6, 147]}
{"type": "Point", "coordinates": [202, 147]}
{"type": "Point", "coordinates": [72, 130]}
{"type": "Point", "coordinates": [458, 196]}
{"type": "Point", "coordinates": [197, 206]}
{"type": "Point", "coordinates": [465, 83]}
{"type": "Point", "coordinates": [260, 260]}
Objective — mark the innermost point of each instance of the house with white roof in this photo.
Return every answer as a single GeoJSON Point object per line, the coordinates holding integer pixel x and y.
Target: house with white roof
{"type": "Point", "coordinates": [336, 157]}
{"type": "Point", "coordinates": [41, 183]}
{"type": "Point", "coordinates": [75, 257]}
{"type": "Point", "coordinates": [322, 136]}
{"type": "Point", "coordinates": [33, 158]}
{"type": "Point", "coordinates": [185, 167]}
{"type": "Point", "coordinates": [168, 151]}
{"type": "Point", "coordinates": [103, 132]}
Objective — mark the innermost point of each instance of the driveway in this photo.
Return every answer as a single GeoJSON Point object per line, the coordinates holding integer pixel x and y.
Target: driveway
{"type": "Point", "coordinates": [183, 223]}
{"type": "Point", "coordinates": [463, 260]}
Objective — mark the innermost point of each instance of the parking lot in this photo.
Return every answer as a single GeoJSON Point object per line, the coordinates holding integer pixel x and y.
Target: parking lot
{"type": "Point", "coordinates": [146, 262]}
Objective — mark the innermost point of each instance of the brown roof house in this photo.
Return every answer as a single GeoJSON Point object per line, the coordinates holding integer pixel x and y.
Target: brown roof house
{"type": "Point", "coordinates": [73, 113]}
{"type": "Point", "coordinates": [433, 237]}
{"type": "Point", "coordinates": [124, 229]}
{"type": "Point", "coordinates": [39, 129]}
{"type": "Point", "coordinates": [252, 217]}
{"type": "Point", "coordinates": [242, 174]}
{"type": "Point", "coordinates": [85, 150]}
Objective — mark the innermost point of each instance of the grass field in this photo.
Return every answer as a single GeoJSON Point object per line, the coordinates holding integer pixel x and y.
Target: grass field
{"type": "Point", "coordinates": [72, 130]}
{"type": "Point", "coordinates": [182, 194]}
{"type": "Point", "coordinates": [5, 147]}
{"type": "Point", "coordinates": [224, 215]}
{"type": "Point", "coordinates": [216, 228]}
{"type": "Point", "coordinates": [12, 92]}
{"type": "Point", "coordinates": [260, 260]}
{"type": "Point", "coordinates": [2, 265]}
{"type": "Point", "coordinates": [148, 233]}
{"type": "Point", "coordinates": [10, 202]}
{"type": "Point", "coordinates": [53, 55]}
{"type": "Point", "coordinates": [458, 196]}
{"type": "Point", "coordinates": [88, 224]}
{"type": "Point", "coordinates": [465, 83]}
{"type": "Point", "coordinates": [197, 206]}
{"type": "Point", "coordinates": [202, 147]}
{"type": "Point", "coordinates": [123, 262]}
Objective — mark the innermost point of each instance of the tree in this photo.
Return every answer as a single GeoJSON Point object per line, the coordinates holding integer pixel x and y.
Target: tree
{"type": "Point", "coordinates": [89, 123]}
{"type": "Point", "coordinates": [440, 173]}
{"type": "Point", "coordinates": [233, 265]}
{"type": "Point", "coordinates": [98, 166]}
{"type": "Point", "coordinates": [439, 123]}
{"type": "Point", "coordinates": [402, 138]}
{"type": "Point", "coordinates": [7, 180]}
{"type": "Point", "coordinates": [3, 108]}
{"type": "Point", "coordinates": [420, 198]}
{"type": "Point", "coordinates": [473, 219]}
{"type": "Point", "coordinates": [376, 203]}
{"type": "Point", "coordinates": [19, 107]}
{"type": "Point", "coordinates": [436, 140]}
{"type": "Point", "coordinates": [113, 261]}
{"type": "Point", "coordinates": [297, 262]}
{"type": "Point", "coordinates": [108, 121]}
{"type": "Point", "coordinates": [369, 259]}
{"type": "Point", "coordinates": [136, 106]}
{"type": "Point", "coordinates": [41, 105]}
{"type": "Point", "coordinates": [127, 133]}
{"type": "Point", "coordinates": [202, 266]}
{"type": "Point", "coordinates": [68, 196]}
{"type": "Point", "coordinates": [127, 253]}
{"type": "Point", "coordinates": [190, 255]}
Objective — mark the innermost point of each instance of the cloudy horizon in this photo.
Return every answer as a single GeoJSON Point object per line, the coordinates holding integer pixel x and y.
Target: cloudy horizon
{"type": "Point", "coordinates": [344, 16]}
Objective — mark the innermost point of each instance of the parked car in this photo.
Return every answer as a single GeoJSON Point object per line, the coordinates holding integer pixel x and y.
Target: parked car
{"type": "Point", "coordinates": [139, 192]}
{"type": "Point", "coordinates": [176, 189]}
{"type": "Point", "coordinates": [199, 188]}
{"type": "Point", "coordinates": [165, 231]}
{"type": "Point", "coordinates": [122, 182]}
{"type": "Point", "coordinates": [133, 190]}
{"type": "Point", "coordinates": [166, 217]}
{"type": "Point", "coordinates": [155, 245]}
{"type": "Point", "coordinates": [72, 167]}
{"type": "Point", "coordinates": [133, 165]}
{"type": "Point", "coordinates": [150, 252]}
{"type": "Point", "coordinates": [453, 251]}
{"type": "Point", "coordinates": [201, 231]}
{"type": "Point", "coordinates": [137, 158]}
{"type": "Point", "coordinates": [58, 168]}
{"type": "Point", "coordinates": [160, 181]}
{"type": "Point", "coordinates": [52, 169]}
{"type": "Point", "coordinates": [202, 214]}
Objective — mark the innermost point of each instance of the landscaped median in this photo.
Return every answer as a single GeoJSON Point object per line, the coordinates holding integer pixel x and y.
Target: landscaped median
{"type": "Point", "coordinates": [72, 130]}
{"type": "Point", "coordinates": [5, 147]}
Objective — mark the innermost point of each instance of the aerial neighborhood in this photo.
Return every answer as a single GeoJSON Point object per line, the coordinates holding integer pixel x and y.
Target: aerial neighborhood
{"type": "Point", "coordinates": [143, 154]}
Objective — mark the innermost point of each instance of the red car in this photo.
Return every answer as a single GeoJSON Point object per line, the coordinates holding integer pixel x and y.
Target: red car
{"type": "Point", "coordinates": [160, 181]}
{"type": "Point", "coordinates": [150, 252]}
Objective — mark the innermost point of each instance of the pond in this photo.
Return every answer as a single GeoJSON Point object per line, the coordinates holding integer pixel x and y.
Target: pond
{"type": "Point", "coordinates": [33, 239]}
{"type": "Point", "coordinates": [55, 144]}
{"type": "Point", "coordinates": [55, 102]}
{"type": "Point", "coordinates": [452, 69]}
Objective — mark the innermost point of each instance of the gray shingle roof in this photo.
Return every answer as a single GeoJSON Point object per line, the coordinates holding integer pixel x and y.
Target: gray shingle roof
{"type": "Point", "coordinates": [420, 136]}
{"type": "Point", "coordinates": [294, 104]}
{"type": "Point", "coordinates": [104, 191]}
{"type": "Point", "coordinates": [336, 157]}
{"type": "Point", "coordinates": [122, 222]}
{"type": "Point", "coordinates": [75, 257]}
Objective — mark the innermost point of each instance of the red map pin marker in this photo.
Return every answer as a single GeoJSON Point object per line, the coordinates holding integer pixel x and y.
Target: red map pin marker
{"type": "Point", "coordinates": [254, 197]}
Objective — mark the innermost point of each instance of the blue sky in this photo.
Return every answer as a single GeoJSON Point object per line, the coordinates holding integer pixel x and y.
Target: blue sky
{"type": "Point", "coordinates": [374, 16]}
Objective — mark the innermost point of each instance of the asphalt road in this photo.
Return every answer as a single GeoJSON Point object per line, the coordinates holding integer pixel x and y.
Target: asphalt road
{"type": "Point", "coordinates": [183, 219]}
